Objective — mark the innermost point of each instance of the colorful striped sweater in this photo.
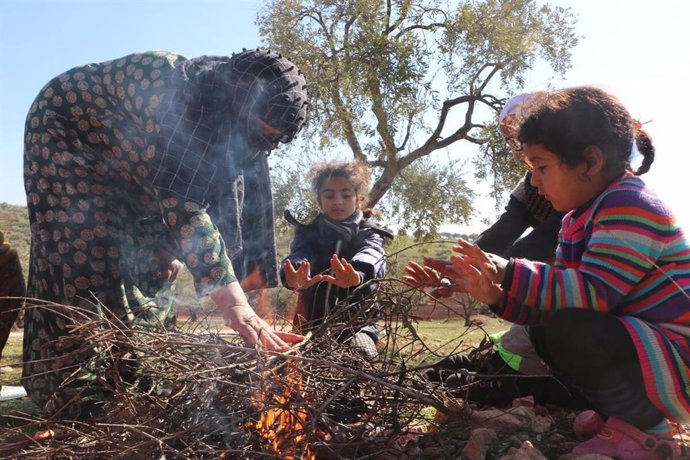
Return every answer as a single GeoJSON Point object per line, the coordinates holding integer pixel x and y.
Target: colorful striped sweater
{"type": "Point", "coordinates": [622, 254]}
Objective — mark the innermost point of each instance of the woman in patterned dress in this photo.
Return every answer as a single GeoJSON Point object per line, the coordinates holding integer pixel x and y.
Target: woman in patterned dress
{"type": "Point", "coordinates": [135, 166]}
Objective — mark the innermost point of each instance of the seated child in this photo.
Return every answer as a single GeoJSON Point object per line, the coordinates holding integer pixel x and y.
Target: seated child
{"type": "Point", "coordinates": [513, 355]}
{"type": "Point", "coordinates": [614, 305]}
{"type": "Point", "coordinates": [335, 259]}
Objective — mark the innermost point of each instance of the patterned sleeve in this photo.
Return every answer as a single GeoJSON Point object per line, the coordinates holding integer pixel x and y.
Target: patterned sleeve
{"type": "Point", "coordinates": [200, 245]}
{"type": "Point", "coordinates": [605, 255]}
{"type": "Point", "coordinates": [191, 137]}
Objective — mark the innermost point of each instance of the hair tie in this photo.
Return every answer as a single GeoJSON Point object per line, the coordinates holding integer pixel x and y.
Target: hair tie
{"type": "Point", "coordinates": [637, 124]}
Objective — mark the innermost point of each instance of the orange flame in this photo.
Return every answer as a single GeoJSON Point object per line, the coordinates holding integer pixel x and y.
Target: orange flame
{"type": "Point", "coordinates": [255, 282]}
{"type": "Point", "coordinates": [282, 423]}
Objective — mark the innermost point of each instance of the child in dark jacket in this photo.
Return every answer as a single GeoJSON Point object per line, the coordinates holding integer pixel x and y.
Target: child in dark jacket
{"type": "Point", "coordinates": [335, 259]}
{"type": "Point", "coordinates": [615, 304]}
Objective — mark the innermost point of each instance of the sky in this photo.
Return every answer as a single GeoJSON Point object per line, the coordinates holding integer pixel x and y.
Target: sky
{"type": "Point", "coordinates": [636, 50]}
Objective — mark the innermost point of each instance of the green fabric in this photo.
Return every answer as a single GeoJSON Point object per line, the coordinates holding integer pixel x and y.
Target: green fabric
{"type": "Point", "coordinates": [512, 359]}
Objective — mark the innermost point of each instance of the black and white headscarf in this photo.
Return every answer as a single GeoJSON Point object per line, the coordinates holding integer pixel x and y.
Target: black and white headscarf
{"type": "Point", "coordinates": [211, 150]}
{"type": "Point", "coordinates": [207, 119]}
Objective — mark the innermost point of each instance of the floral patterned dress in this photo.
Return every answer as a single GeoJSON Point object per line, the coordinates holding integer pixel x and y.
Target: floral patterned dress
{"type": "Point", "coordinates": [101, 141]}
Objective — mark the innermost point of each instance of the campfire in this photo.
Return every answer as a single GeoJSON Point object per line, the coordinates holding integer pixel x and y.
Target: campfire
{"type": "Point", "coordinates": [284, 425]}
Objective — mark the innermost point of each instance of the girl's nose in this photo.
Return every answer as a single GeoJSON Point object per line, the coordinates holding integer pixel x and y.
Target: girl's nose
{"type": "Point", "coordinates": [534, 181]}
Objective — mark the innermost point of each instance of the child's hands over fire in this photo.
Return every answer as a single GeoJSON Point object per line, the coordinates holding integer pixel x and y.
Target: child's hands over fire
{"type": "Point", "coordinates": [343, 274]}
{"type": "Point", "coordinates": [300, 278]}
{"type": "Point", "coordinates": [479, 273]}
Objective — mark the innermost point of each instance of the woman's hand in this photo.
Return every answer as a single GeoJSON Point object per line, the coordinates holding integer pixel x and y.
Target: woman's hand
{"type": "Point", "coordinates": [301, 278]}
{"type": "Point", "coordinates": [168, 267]}
{"type": "Point", "coordinates": [478, 272]}
{"type": "Point", "coordinates": [425, 276]}
{"type": "Point", "coordinates": [344, 274]}
{"type": "Point", "coordinates": [241, 317]}
{"type": "Point", "coordinates": [421, 275]}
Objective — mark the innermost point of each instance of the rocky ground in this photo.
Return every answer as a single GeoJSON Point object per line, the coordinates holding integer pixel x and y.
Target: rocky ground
{"type": "Point", "coordinates": [522, 432]}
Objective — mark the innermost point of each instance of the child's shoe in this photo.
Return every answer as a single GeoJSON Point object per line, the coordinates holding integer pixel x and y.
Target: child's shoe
{"type": "Point", "coordinates": [618, 439]}
{"type": "Point", "coordinates": [587, 424]}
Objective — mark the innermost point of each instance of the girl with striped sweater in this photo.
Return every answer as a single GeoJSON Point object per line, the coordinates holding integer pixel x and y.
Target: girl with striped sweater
{"type": "Point", "coordinates": [611, 315]}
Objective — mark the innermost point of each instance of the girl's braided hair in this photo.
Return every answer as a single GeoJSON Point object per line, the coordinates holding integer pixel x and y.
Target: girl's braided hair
{"type": "Point", "coordinates": [568, 121]}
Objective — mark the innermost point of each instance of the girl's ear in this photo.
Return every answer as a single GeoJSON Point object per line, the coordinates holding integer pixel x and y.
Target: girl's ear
{"type": "Point", "coordinates": [594, 161]}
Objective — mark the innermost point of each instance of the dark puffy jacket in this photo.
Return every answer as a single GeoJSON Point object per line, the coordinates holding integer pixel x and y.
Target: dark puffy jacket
{"type": "Point", "coordinates": [525, 209]}
{"type": "Point", "coordinates": [360, 242]}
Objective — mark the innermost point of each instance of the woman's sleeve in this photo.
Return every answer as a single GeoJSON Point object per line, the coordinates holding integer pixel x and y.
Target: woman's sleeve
{"type": "Point", "coordinates": [498, 238]}
{"type": "Point", "coordinates": [199, 244]}
{"type": "Point", "coordinates": [540, 244]}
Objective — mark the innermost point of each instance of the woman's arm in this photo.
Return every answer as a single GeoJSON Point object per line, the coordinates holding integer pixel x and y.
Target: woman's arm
{"type": "Point", "coordinates": [240, 316]}
{"type": "Point", "coordinates": [498, 238]}
{"type": "Point", "coordinates": [202, 250]}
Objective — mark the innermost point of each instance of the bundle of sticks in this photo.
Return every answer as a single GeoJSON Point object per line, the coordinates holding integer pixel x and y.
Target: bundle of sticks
{"type": "Point", "coordinates": [194, 392]}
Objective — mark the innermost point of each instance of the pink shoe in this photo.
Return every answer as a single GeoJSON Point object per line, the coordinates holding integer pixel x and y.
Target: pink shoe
{"type": "Point", "coordinates": [587, 424]}
{"type": "Point", "coordinates": [618, 439]}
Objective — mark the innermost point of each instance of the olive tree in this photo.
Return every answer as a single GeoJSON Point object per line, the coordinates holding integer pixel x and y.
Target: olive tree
{"type": "Point", "coordinates": [393, 81]}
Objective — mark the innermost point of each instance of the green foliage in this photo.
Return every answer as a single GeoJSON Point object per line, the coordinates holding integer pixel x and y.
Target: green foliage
{"type": "Point", "coordinates": [496, 163]}
{"type": "Point", "coordinates": [291, 192]}
{"type": "Point", "coordinates": [14, 223]}
{"type": "Point", "coordinates": [405, 248]}
{"type": "Point", "coordinates": [428, 195]}
{"type": "Point", "coordinates": [396, 81]}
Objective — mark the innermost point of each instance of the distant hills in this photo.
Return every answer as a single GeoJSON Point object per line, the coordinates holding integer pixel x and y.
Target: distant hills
{"type": "Point", "coordinates": [14, 223]}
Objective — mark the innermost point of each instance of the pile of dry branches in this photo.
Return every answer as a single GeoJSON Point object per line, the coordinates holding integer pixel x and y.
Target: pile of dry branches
{"type": "Point", "coordinates": [195, 393]}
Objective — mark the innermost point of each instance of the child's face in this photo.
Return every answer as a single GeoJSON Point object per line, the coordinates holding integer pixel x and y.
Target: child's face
{"type": "Point", "coordinates": [338, 198]}
{"type": "Point", "coordinates": [566, 187]}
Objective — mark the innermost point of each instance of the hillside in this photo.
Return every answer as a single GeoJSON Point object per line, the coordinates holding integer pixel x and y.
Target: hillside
{"type": "Point", "coordinates": [14, 223]}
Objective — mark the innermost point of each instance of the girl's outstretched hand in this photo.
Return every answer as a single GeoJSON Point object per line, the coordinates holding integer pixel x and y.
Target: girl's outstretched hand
{"type": "Point", "coordinates": [479, 273]}
{"type": "Point", "coordinates": [420, 275]}
{"type": "Point", "coordinates": [301, 277]}
{"type": "Point", "coordinates": [344, 274]}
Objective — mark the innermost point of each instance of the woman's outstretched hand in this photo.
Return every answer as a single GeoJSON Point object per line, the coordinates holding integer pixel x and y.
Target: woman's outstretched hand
{"type": "Point", "coordinates": [427, 277]}
{"type": "Point", "coordinates": [241, 317]}
{"type": "Point", "coordinates": [300, 278]}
